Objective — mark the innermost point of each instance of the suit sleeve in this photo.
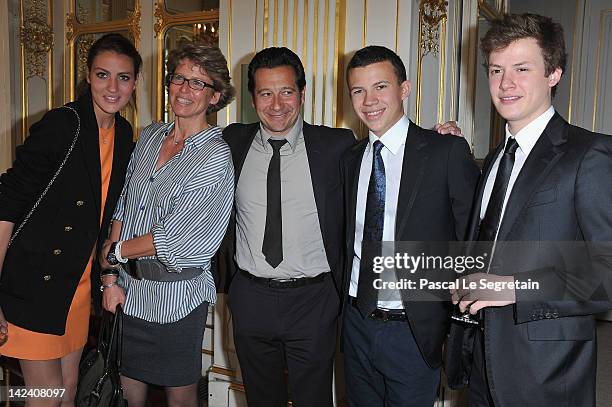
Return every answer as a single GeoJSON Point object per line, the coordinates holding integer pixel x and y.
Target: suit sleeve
{"type": "Point", "coordinates": [35, 163]}
{"type": "Point", "coordinates": [462, 179]}
{"type": "Point", "coordinates": [588, 289]}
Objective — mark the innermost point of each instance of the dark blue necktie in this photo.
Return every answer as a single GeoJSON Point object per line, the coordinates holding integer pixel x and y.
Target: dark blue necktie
{"type": "Point", "coordinates": [372, 232]}
{"type": "Point", "coordinates": [272, 247]}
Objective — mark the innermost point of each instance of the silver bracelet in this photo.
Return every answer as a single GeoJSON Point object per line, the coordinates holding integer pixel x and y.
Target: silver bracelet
{"type": "Point", "coordinates": [118, 252]}
{"type": "Point", "coordinates": [105, 286]}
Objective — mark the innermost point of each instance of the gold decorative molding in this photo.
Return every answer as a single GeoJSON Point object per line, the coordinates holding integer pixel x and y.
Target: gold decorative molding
{"type": "Point", "coordinates": [431, 13]}
{"type": "Point", "coordinates": [132, 25]}
{"type": "Point", "coordinates": [36, 37]}
{"type": "Point", "coordinates": [602, 17]}
{"type": "Point", "coordinates": [85, 42]}
{"type": "Point", "coordinates": [36, 46]}
{"type": "Point", "coordinates": [159, 19]}
{"type": "Point", "coordinates": [71, 21]}
{"type": "Point", "coordinates": [339, 38]}
{"type": "Point", "coordinates": [572, 63]}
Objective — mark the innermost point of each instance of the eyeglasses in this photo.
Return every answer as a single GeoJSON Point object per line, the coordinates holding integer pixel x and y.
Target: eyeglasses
{"type": "Point", "coordinates": [193, 83]}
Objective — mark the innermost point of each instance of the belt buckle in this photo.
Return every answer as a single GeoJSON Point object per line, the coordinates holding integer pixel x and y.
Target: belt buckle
{"type": "Point", "coordinates": [280, 282]}
{"type": "Point", "coordinates": [385, 315]}
{"type": "Point", "coordinates": [380, 314]}
{"type": "Point", "coordinates": [284, 280]}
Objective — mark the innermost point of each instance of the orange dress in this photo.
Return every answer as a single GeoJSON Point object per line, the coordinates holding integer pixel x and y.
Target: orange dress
{"type": "Point", "coordinates": [29, 345]}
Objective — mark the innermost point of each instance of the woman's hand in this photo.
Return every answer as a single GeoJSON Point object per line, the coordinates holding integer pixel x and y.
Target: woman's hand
{"type": "Point", "coordinates": [112, 296]}
{"type": "Point", "coordinates": [3, 328]}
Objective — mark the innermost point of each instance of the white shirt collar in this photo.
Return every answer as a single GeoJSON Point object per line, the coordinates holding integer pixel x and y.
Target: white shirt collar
{"type": "Point", "coordinates": [393, 138]}
{"type": "Point", "coordinates": [529, 135]}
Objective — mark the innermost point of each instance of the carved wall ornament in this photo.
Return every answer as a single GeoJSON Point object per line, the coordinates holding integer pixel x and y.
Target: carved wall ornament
{"type": "Point", "coordinates": [431, 13]}
{"type": "Point", "coordinates": [135, 24]}
{"type": "Point", "coordinates": [84, 42]}
{"type": "Point", "coordinates": [36, 37]}
{"type": "Point", "coordinates": [159, 19]}
{"type": "Point", "coordinates": [70, 23]}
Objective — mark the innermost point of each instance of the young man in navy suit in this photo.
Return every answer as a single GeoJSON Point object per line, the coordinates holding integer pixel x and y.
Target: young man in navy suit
{"type": "Point", "coordinates": [401, 183]}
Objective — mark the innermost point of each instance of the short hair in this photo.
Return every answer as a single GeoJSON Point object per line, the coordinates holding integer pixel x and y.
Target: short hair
{"type": "Point", "coordinates": [274, 57]}
{"type": "Point", "coordinates": [375, 53]}
{"type": "Point", "coordinates": [210, 59]}
{"type": "Point", "coordinates": [513, 27]}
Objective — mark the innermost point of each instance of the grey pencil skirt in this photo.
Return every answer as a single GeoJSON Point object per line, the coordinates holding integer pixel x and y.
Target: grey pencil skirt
{"type": "Point", "coordinates": [167, 355]}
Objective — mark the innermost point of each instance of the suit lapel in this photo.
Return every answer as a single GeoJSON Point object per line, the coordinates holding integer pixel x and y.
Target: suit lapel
{"type": "Point", "coordinates": [474, 222]}
{"type": "Point", "coordinates": [318, 167]}
{"type": "Point", "coordinates": [241, 149]}
{"type": "Point", "coordinates": [89, 142]}
{"type": "Point", "coordinates": [541, 160]}
{"type": "Point", "coordinates": [413, 167]}
{"type": "Point", "coordinates": [352, 169]}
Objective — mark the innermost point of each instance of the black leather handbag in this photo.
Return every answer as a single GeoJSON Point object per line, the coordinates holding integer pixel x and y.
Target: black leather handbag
{"type": "Point", "coordinates": [99, 383]}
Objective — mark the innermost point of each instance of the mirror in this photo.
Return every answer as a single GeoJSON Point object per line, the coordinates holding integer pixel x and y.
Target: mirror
{"type": "Point", "coordinates": [190, 6]}
{"type": "Point", "coordinates": [82, 43]}
{"type": "Point", "coordinates": [99, 11]}
{"type": "Point", "coordinates": [174, 37]}
{"type": "Point", "coordinates": [488, 125]}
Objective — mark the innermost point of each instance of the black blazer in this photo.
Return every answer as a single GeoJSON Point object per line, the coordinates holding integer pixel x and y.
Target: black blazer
{"type": "Point", "coordinates": [543, 352]}
{"type": "Point", "coordinates": [44, 264]}
{"type": "Point", "coordinates": [324, 146]}
{"type": "Point", "coordinates": [437, 187]}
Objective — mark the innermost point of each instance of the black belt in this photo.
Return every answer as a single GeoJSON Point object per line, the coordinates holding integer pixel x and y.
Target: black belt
{"type": "Point", "coordinates": [284, 282]}
{"type": "Point", "coordinates": [381, 314]}
{"type": "Point", "coordinates": [154, 270]}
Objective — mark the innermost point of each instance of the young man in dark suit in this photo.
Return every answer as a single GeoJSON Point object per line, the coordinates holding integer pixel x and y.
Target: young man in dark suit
{"type": "Point", "coordinates": [548, 181]}
{"type": "Point", "coordinates": [402, 183]}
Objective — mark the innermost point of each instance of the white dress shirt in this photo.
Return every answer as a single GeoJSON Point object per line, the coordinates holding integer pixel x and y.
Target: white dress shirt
{"type": "Point", "coordinates": [394, 141]}
{"type": "Point", "coordinates": [526, 139]}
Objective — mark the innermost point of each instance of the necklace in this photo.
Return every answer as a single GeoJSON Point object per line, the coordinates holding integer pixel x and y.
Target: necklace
{"type": "Point", "coordinates": [174, 140]}
{"type": "Point", "coordinates": [105, 133]}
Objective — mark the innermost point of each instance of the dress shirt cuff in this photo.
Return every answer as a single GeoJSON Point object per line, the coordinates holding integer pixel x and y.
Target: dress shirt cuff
{"type": "Point", "coordinates": [164, 255]}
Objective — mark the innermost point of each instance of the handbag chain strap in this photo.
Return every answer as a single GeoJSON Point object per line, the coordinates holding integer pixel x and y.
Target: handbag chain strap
{"type": "Point", "coordinates": [44, 192]}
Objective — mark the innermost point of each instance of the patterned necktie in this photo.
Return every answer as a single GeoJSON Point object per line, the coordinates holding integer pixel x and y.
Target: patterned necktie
{"type": "Point", "coordinates": [272, 247]}
{"type": "Point", "coordinates": [372, 232]}
{"type": "Point", "coordinates": [490, 222]}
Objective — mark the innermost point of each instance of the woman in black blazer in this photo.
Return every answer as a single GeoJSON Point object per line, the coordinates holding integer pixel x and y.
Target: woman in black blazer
{"type": "Point", "coordinates": [45, 283]}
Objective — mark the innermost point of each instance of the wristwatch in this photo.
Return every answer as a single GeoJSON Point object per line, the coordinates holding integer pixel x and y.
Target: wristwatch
{"type": "Point", "coordinates": [111, 257]}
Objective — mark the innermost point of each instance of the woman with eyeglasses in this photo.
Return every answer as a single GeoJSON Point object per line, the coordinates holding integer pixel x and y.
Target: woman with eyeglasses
{"type": "Point", "coordinates": [45, 290]}
{"type": "Point", "coordinates": [169, 222]}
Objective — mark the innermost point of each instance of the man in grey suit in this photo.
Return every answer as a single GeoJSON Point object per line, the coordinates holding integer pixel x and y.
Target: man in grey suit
{"type": "Point", "coordinates": [548, 181]}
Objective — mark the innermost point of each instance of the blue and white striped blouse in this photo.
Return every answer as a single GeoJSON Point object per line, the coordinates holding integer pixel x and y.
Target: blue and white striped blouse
{"type": "Point", "coordinates": [186, 205]}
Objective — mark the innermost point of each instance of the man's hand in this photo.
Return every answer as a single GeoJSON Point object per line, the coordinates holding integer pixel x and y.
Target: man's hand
{"type": "Point", "coordinates": [480, 290]}
{"type": "Point", "coordinates": [448, 128]}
